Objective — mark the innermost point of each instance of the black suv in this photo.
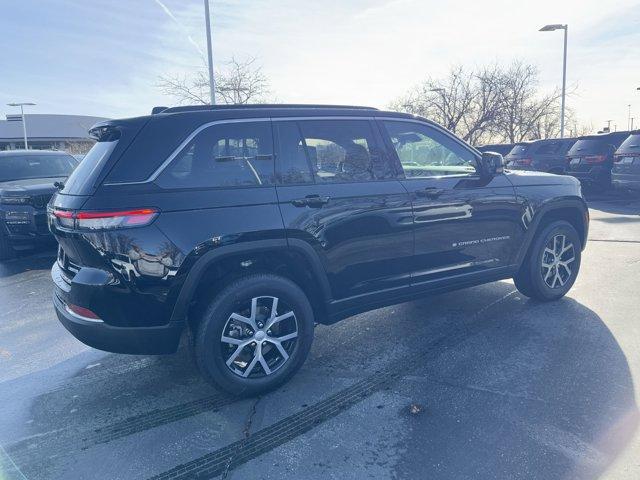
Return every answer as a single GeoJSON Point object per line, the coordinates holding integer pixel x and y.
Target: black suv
{"type": "Point", "coordinates": [27, 179]}
{"type": "Point", "coordinates": [590, 159]}
{"type": "Point", "coordinates": [547, 155]}
{"type": "Point", "coordinates": [244, 226]}
{"type": "Point", "coordinates": [625, 173]}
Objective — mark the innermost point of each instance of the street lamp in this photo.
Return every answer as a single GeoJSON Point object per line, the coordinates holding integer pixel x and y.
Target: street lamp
{"type": "Point", "coordinates": [551, 28]}
{"type": "Point", "coordinates": [212, 89]}
{"type": "Point", "coordinates": [24, 123]}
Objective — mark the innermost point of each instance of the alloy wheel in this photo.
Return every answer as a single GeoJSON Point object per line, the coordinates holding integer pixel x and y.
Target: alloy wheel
{"type": "Point", "coordinates": [257, 339]}
{"type": "Point", "coordinates": [558, 255]}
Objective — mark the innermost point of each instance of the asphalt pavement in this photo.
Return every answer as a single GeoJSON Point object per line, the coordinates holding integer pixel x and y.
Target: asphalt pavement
{"type": "Point", "coordinates": [479, 383]}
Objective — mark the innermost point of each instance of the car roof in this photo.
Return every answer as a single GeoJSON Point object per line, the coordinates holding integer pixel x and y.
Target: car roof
{"type": "Point", "coordinates": [211, 113]}
{"type": "Point", "coordinates": [8, 153]}
{"type": "Point", "coordinates": [279, 110]}
{"type": "Point", "coordinates": [599, 136]}
{"type": "Point", "coordinates": [261, 106]}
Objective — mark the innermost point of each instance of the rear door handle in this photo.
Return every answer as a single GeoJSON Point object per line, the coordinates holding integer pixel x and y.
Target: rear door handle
{"type": "Point", "coordinates": [314, 201]}
{"type": "Point", "coordinates": [430, 192]}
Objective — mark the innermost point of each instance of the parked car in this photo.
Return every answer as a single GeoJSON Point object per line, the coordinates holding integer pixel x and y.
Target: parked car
{"type": "Point", "coordinates": [548, 155]}
{"type": "Point", "coordinates": [625, 173]}
{"type": "Point", "coordinates": [590, 159]}
{"type": "Point", "coordinates": [244, 226]}
{"type": "Point", "coordinates": [27, 179]}
{"type": "Point", "coordinates": [501, 148]}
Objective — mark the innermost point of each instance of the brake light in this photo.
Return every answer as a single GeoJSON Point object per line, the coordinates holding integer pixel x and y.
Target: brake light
{"type": "Point", "coordinates": [594, 159]}
{"type": "Point", "coordinates": [65, 217]}
{"type": "Point", "coordinates": [100, 220]}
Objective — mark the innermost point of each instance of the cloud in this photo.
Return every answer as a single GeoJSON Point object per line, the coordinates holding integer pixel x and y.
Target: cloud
{"type": "Point", "coordinates": [107, 61]}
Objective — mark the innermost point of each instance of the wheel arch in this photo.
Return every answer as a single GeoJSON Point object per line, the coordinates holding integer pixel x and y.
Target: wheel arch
{"type": "Point", "coordinates": [572, 210]}
{"type": "Point", "coordinates": [216, 268]}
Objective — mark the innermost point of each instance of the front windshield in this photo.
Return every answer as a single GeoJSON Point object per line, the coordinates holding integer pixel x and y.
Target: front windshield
{"type": "Point", "coordinates": [21, 167]}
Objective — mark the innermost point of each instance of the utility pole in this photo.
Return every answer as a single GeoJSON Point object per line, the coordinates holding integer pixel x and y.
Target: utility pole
{"type": "Point", "coordinates": [629, 118]}
{"type": "Point", "coordinates": [212, 85]}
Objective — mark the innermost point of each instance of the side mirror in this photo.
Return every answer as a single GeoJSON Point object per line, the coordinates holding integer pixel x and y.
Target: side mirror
{"type": "Point", "coordinates": [491, 164]}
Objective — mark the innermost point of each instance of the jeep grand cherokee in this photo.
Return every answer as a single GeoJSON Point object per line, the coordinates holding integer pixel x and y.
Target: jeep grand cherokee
{"type": "Point", "coordinates": [244, 226]}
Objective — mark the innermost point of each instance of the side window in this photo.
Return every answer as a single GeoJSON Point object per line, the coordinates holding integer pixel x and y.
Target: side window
{"type": "Point", "coordinates": [293, 166]}
{"type": "Point", "coordinates": [340, 150]}
{"type": "Point", "coordinates": [426, 152]}
{"type": "Point", "coordinates": [225, 155]}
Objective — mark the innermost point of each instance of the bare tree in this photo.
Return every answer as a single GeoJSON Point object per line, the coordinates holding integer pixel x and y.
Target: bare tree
{"type": "Point", "coordinates": [463, 102]}
{"type": "Point", "coordinates": [521, 109]}
{"type": "Point", "coordinates": [491, 104]}
{"type": "Point", "coordinates": [239, 81]}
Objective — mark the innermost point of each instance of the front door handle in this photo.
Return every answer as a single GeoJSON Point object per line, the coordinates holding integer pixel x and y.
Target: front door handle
{"type": "Point", "coordinates": [314, 201]}
{"type": "Point", "coordinates": [430, 192]}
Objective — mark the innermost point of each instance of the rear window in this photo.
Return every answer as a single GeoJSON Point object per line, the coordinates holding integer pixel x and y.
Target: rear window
{"type": "Point", "coordinates": [83, 178]}
{"type": "Point", "coordinates": [548, 148]}
{"type": "Point", "coordinates": [519, 150]}
{"type": "Point", "coordinates": [22, 167]}
{"type": "Point", "coordinates": [589, 146]}
{"type": "Point", "coordinates": [630, 145]}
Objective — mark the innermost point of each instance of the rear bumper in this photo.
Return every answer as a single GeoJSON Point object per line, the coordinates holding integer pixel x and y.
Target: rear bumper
{"type": "Point", "coordinates": [594, 175]}
{"type": "Point", "coordinates": [629, 181]}
{"type": "Point", "coordinates": [98, 334]}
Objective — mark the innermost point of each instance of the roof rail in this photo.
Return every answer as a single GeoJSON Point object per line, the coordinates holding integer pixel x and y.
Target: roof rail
{"type": "Point", "coordinates": [191, 108]}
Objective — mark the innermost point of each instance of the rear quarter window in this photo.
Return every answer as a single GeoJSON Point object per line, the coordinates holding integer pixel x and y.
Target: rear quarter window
{"type": "Point", "coordinates": [83, 178]}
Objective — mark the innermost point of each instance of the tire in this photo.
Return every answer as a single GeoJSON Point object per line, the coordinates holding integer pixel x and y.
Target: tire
{"type": "Point", "coordinates": [543, 283]}
{"type": "Point", "coordinates": [6, 250]}
{"type": "Point", "coordinates": [254, 293]}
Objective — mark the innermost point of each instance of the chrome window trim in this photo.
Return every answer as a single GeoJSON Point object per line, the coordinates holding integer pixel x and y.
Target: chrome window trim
{"type": "Point", "coordinates": [184, 143]}
{"type": "Point", "coordinates": [370, 118]}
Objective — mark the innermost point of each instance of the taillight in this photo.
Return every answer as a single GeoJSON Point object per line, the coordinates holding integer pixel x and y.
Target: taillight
{"type": "Point", "coordinates": [594, 159]}
{"type": "Point", "coordinates": [65, 217]}
{"type": "Point", "coordinates": [102, 220]}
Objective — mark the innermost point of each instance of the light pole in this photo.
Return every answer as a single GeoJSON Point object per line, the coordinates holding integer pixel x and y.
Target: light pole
{"type": "Point", "coordinates": [551, 28]}
{"type": "Point", "coordinates": [24, 123]}
{"type": "Point", "coordinates": [212, 85]}
{"type": "Point", "coordinates": [629, 118]}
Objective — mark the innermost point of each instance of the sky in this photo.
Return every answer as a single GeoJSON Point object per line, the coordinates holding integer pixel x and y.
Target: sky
{"type": "Point", "coordinates": [105, 57]}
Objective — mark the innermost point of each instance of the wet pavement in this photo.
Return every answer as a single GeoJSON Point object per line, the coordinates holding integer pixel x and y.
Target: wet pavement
{"type": "Point", "coordinates": [478, 383]}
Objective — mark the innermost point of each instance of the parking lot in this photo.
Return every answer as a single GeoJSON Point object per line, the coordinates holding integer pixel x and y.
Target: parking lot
{"type": "Point", "coordinates": [478, 383]}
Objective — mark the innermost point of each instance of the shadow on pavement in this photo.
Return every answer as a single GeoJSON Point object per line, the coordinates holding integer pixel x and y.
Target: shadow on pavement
{"type": "Point", "coordinates": [516, 390]}
{"type": "Point", "coordinates": [547, 395]}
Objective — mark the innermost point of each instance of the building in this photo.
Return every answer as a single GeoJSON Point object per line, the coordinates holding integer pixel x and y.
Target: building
{"type": "Point", "coordinates": [48, 132]}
